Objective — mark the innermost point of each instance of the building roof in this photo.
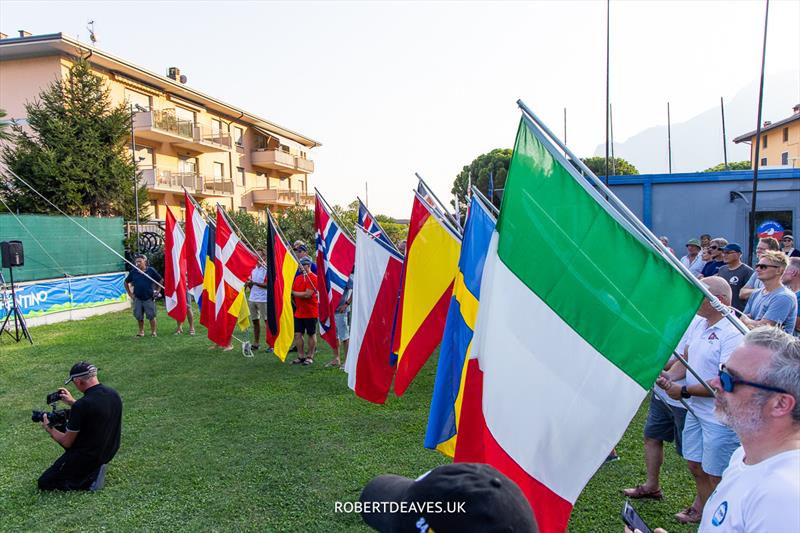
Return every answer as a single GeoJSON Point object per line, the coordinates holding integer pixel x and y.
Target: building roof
{"type": "Point", "coordinates": [750, 135]}
{"type": "Point", "coordinates": [63, 45]}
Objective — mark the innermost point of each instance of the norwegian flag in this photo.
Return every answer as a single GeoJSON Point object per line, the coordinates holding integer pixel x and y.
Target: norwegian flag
{"type": "Point", "coordinates": [371, 226]}
{"type": "Point", "coordinates": [233, 263]}
{"type": "Point", "coordinates": [336, 254]}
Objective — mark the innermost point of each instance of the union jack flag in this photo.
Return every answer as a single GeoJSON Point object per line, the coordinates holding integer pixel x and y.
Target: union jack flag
{"type": "Point", "coordinates": [336, 255]}
{"type": "Point", "coordinates": [371, 226]}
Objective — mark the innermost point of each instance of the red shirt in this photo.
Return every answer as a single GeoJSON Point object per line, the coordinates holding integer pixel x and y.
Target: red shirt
{"type": "Point", "coordinates": [306, 307]}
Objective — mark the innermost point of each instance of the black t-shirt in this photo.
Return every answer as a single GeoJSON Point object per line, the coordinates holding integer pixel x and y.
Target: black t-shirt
{"type": "Point", "coordinates": [98, 419]}
{"type": "Point", "coordinates": [736, 279]}
{"type": "Point", "coordinates": [142, 285]}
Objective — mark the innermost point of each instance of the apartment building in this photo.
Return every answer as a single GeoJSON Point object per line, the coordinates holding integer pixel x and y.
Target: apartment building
{"type": "Point", "coordinates": [780, 142]}
{"type": "Point", "coordinates": [182, 137]}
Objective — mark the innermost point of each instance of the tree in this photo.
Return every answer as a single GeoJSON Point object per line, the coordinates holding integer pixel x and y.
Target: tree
{"type": "Point", "coordinates": [616, 166]}
{"type": "Point", "coordinates": [298, 223]}
{"type": "Point", "coordinates": [496, 162]}
{"type": "Point", "coordinates": [4, 124]}
{"type": "Point", "coordinates": [735, 165]}
{"type": "Point", "coordinates": [349, 218]}
{"type": "Point", "coordinates": [75, 153]}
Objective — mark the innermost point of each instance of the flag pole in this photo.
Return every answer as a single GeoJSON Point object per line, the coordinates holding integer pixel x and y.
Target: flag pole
{"type": "Point", "coordinates": [485, 201]}
{"type": "Point", "coordinates": [752, 219]}
{"type": "Point", "coordinates": [251, 248]}
{"type": "Point", "coordinates": [441, 205]}
{"type": "Point", "coordinates": [333, 215]}
{"type": "Point", "coordinates": [645, 232]}
{"type": "Point", "coordinates": [200, 208]}
{"type": "Point", "coordinates": [375, 220]}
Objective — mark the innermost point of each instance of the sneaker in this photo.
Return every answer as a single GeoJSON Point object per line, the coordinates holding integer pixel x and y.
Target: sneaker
{"type": "Point", "coordinates": [690, 515]}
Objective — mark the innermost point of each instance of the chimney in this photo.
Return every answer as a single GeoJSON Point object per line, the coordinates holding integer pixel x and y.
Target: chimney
{"type": "Point", "coordinates": [767, 123]}
{"type": "Point", "coordinates": [174, 73]}
{"type": "Point", "coordinates": [23, 34]}
{"type": "Point", "coordinates": [796, 109]}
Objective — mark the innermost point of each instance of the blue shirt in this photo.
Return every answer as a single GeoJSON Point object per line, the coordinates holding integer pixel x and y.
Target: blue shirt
{"type": "Point", "coordinates": [780, 306]}
{"type": "Point", "coordinates": [142, 285]}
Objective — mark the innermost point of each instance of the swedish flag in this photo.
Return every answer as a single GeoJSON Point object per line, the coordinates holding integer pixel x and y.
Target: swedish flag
{"type": "Point", "coordinates": [461, 316]}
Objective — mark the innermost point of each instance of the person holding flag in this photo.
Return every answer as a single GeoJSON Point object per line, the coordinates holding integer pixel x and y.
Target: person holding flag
{"type": "Point", "coordinates": [305, 294]}
{"type": "Point", "coordinates": [258, 299]}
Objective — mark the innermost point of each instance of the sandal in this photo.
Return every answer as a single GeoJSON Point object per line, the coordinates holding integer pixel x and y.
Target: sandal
{"type": "Point", "coordinates": [690, 515]}
{"type": "Point", "coordinates": [639, 492]}
{"type": "Point", "coordinates": [308, 361]}
{"type": "Point", "coordinates": [332, 364]}
{"type": "Point", "coordinates": [299, 361]}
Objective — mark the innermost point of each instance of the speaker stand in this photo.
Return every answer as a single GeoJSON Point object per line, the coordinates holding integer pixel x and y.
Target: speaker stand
{"type": "Point", "coordinates": [20, 327]}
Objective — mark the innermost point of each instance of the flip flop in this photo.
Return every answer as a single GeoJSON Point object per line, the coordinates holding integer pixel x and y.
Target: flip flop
{"type": "Point", "coordinates": [139, 335]}
{"type": "Point", "coordinates": [299, 361]}
{"type": "Point", "coordinates": [308, 361]}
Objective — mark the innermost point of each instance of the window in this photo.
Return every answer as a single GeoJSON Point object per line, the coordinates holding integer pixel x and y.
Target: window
{"type": "Point", "coordinates": [786, 135]}
{"type": "Point", "coordinates": [785, 158]}
{"type": "Point", "coordinates": [240, 173]}
{"type": "Point", "coordinates": [238, 136]}
{"type": "Point", "coordinates": [135, 98]}
{"type": "Point", "coordinates": [764, 141]}
{"type": "Point", "coordinates": [219, 171]}
{"type": "Point", "coordinates": [284, 149]}
{"type": "Point", "coordinates": [763, 161]}
{"type": "Point", "coordinates": [216, 127]}
{"type": "Point", "coordinates": [187, 165]}
{"type": "Point", "coordinates": [184, 115]}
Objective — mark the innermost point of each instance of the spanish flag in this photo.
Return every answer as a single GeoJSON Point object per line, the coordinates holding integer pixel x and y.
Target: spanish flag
{"type": "Point", "coordinates": [428, 273]}
{"type": "Point", "coordinates": [281, 268]}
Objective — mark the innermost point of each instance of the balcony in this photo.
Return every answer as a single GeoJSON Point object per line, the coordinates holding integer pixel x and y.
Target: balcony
{"type": "Point", "coordinates": [282, 197]}
{"type": "Point", "coordinates": [163, 126]}
{"type": "Point", "coordinates": [163, 180]}
{"type": "Point", "coordinates": [282, 161]}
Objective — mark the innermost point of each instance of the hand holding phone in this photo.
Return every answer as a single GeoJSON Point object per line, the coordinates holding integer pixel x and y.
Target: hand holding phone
{"type": "Point", "coordinates": [633, 520]}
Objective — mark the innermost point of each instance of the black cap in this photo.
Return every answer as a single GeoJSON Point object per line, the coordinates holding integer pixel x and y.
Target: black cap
{"type": "Point", "coordinates": [79, 370]}
{"type": "Point", "coordinates": [457, 497]}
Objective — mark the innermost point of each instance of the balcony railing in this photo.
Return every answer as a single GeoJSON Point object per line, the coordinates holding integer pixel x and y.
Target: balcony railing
{"type": "Point", "coordinates": [170, 180]}
{"type": "Point", "coordinates": [166, 120]}
{"type": "Point", "coordinates": [280, 160]}
{"type": "Point", "coordinates": [207, 134]}
{"type": "Point", "coordinates": [284, 197]}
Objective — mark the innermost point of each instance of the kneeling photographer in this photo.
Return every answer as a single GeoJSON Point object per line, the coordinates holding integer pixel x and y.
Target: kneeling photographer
{"type": "Point", "coordinates": [90, 435]}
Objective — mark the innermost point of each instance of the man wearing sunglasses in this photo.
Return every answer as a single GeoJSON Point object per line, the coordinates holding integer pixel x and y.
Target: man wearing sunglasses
{"type": "Point", "coordinates": [791, 280]}
{"type": "Point", "coordinates": [773, 305]}
{"type": "Point", "coordinates": [757, 393]}
{"type": "Point", "coordinates": [715, 260]}
{"type": "Point", "coordinates": [735, 273]}
{"type": "Point", "coordinates": [754, 284]}
{"type": "Point", "coordinates": [707, 444]}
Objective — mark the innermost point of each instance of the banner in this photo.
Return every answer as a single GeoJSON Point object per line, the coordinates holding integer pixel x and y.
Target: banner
{"type": "Point", "coordinates": [53, 296]}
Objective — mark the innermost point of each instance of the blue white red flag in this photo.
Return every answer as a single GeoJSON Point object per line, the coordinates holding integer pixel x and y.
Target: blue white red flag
{"type": "Point", "coordinates": [367, 221]}
{"type": "Point", "coordinates": [336, 254]}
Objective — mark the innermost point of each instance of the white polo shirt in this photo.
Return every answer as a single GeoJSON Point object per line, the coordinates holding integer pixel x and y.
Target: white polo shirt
{"type": "Point", "coordinates": [258, 294]}
{"type": "Point", "coordinates": [760, 497]}
{"type": "Point", "coordinates": [695, 267]}
{"type": "Point", "coordinates": [710, 346]}
{"type": "Point", "coordinates": [688, 336]}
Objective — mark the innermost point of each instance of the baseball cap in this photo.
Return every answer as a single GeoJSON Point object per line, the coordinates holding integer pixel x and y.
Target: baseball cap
{"type": "Point", "coordinates": [451, 498]}
{"type": "Point", "coordinates": [732, 247]}
{"type": "Point", "coordinates": [305, 260]}
{"type": "Point", "coordinates": [788, 236]}
{"type": "Point", "coordinates": [300, 247]}
{"type": "Point", "coordinates": [80, 370]}
{"type": "Point", "coordinates": [693, 242]}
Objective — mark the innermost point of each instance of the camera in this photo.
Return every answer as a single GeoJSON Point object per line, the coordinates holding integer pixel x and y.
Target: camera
{"type": "Point", "coordinates": [56, 418]}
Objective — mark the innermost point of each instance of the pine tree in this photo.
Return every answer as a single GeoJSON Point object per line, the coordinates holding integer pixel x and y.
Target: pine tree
{"type": "Point", "coordinates": [74, 151]}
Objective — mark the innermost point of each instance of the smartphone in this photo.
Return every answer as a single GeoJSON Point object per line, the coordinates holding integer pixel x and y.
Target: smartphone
{"type": "Point", "coordinates": [633, 520]}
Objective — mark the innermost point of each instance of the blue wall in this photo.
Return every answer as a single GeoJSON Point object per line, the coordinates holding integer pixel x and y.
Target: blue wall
{"type": "Point", "coordinates": [683, 206]}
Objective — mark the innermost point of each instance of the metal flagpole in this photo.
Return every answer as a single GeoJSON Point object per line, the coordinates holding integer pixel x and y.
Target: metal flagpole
{"type": "Point", "coordinates": [757, 161]}
{"type": "Point", "coordinates": [608, 70]}
{"type": "Point", "coordinates": [724, 141]}
{"type": "Point", "coordinates": [611, 123]}
{"type": "Point", "coordinates": [648, 235]}
{"type": "Point", "coordinates": [95, 237]}
{"type": "Point", "coordinates": [333, 215]}
{"type": "Point", "coordinates": [375, 220]}
{"type": "Point", "coordinates": [252, 249]}
{"type": "Point", "coordinates": [442, 208]}
{"type": "Point", "coordinates": [486, 201]}
{"type": "Point", "coordinates": [290, 249]}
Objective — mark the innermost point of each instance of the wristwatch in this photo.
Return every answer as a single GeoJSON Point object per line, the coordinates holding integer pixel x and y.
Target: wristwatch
{"type": "Point", "coordinates": [685, 392]}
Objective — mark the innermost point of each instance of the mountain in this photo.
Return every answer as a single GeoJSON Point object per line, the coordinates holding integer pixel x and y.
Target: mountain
{"type": "Point", "coordinates": [696, 143]}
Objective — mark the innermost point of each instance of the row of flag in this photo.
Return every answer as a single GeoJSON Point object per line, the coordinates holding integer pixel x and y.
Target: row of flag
{"type": "Point", "coordinates": [553, 318]}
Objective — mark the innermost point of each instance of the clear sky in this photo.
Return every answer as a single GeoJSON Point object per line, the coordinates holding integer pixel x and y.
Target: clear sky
{"type": "Point", "coordinates": [391, 88]}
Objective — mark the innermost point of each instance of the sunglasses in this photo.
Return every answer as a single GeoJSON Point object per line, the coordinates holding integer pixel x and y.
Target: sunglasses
{"type": "Point", "coordinates": [762, 266]}
{"type": "Point", "coordinates": [713, 247]}
{"type": "Point", "coordinates": [728, 381]}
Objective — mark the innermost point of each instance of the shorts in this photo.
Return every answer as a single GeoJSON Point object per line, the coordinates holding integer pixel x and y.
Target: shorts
{"type": "Point", "coordinates": [709, 444]}
{"type": "Point", "coordinates": [665, 422]}
{"type": "Point", "coordinates": [305, 325]}
{"type": "Point", "coordinates": [258, 310]}
{"type": "Point", "coordinates": [142, 308]}
{"type": "Point", "coordinates": [342, 327]}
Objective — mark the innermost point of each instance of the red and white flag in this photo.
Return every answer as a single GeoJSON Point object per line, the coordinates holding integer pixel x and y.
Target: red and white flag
{"type": "Point", "coordinates": [174, 269]}
{"type": "Point", "coordinates": [233, 263]}
{"type": "Point", "coordinates": [376, 282]}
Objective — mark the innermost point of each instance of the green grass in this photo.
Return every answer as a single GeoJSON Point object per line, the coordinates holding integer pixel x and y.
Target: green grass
{"type": "Point", "coordinates": [216, 441]}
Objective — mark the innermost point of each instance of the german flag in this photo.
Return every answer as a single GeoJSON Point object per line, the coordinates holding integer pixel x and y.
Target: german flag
{"type": "Point", "coordinates": [281, 268]}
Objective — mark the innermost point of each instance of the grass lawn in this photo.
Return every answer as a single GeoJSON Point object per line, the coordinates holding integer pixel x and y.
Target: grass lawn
{"type": "Point", "coordinates": [216, 441]}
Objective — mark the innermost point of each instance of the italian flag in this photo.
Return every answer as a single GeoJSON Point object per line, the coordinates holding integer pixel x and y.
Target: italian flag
{"type": "Point", "coordinates": [577, 317]}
